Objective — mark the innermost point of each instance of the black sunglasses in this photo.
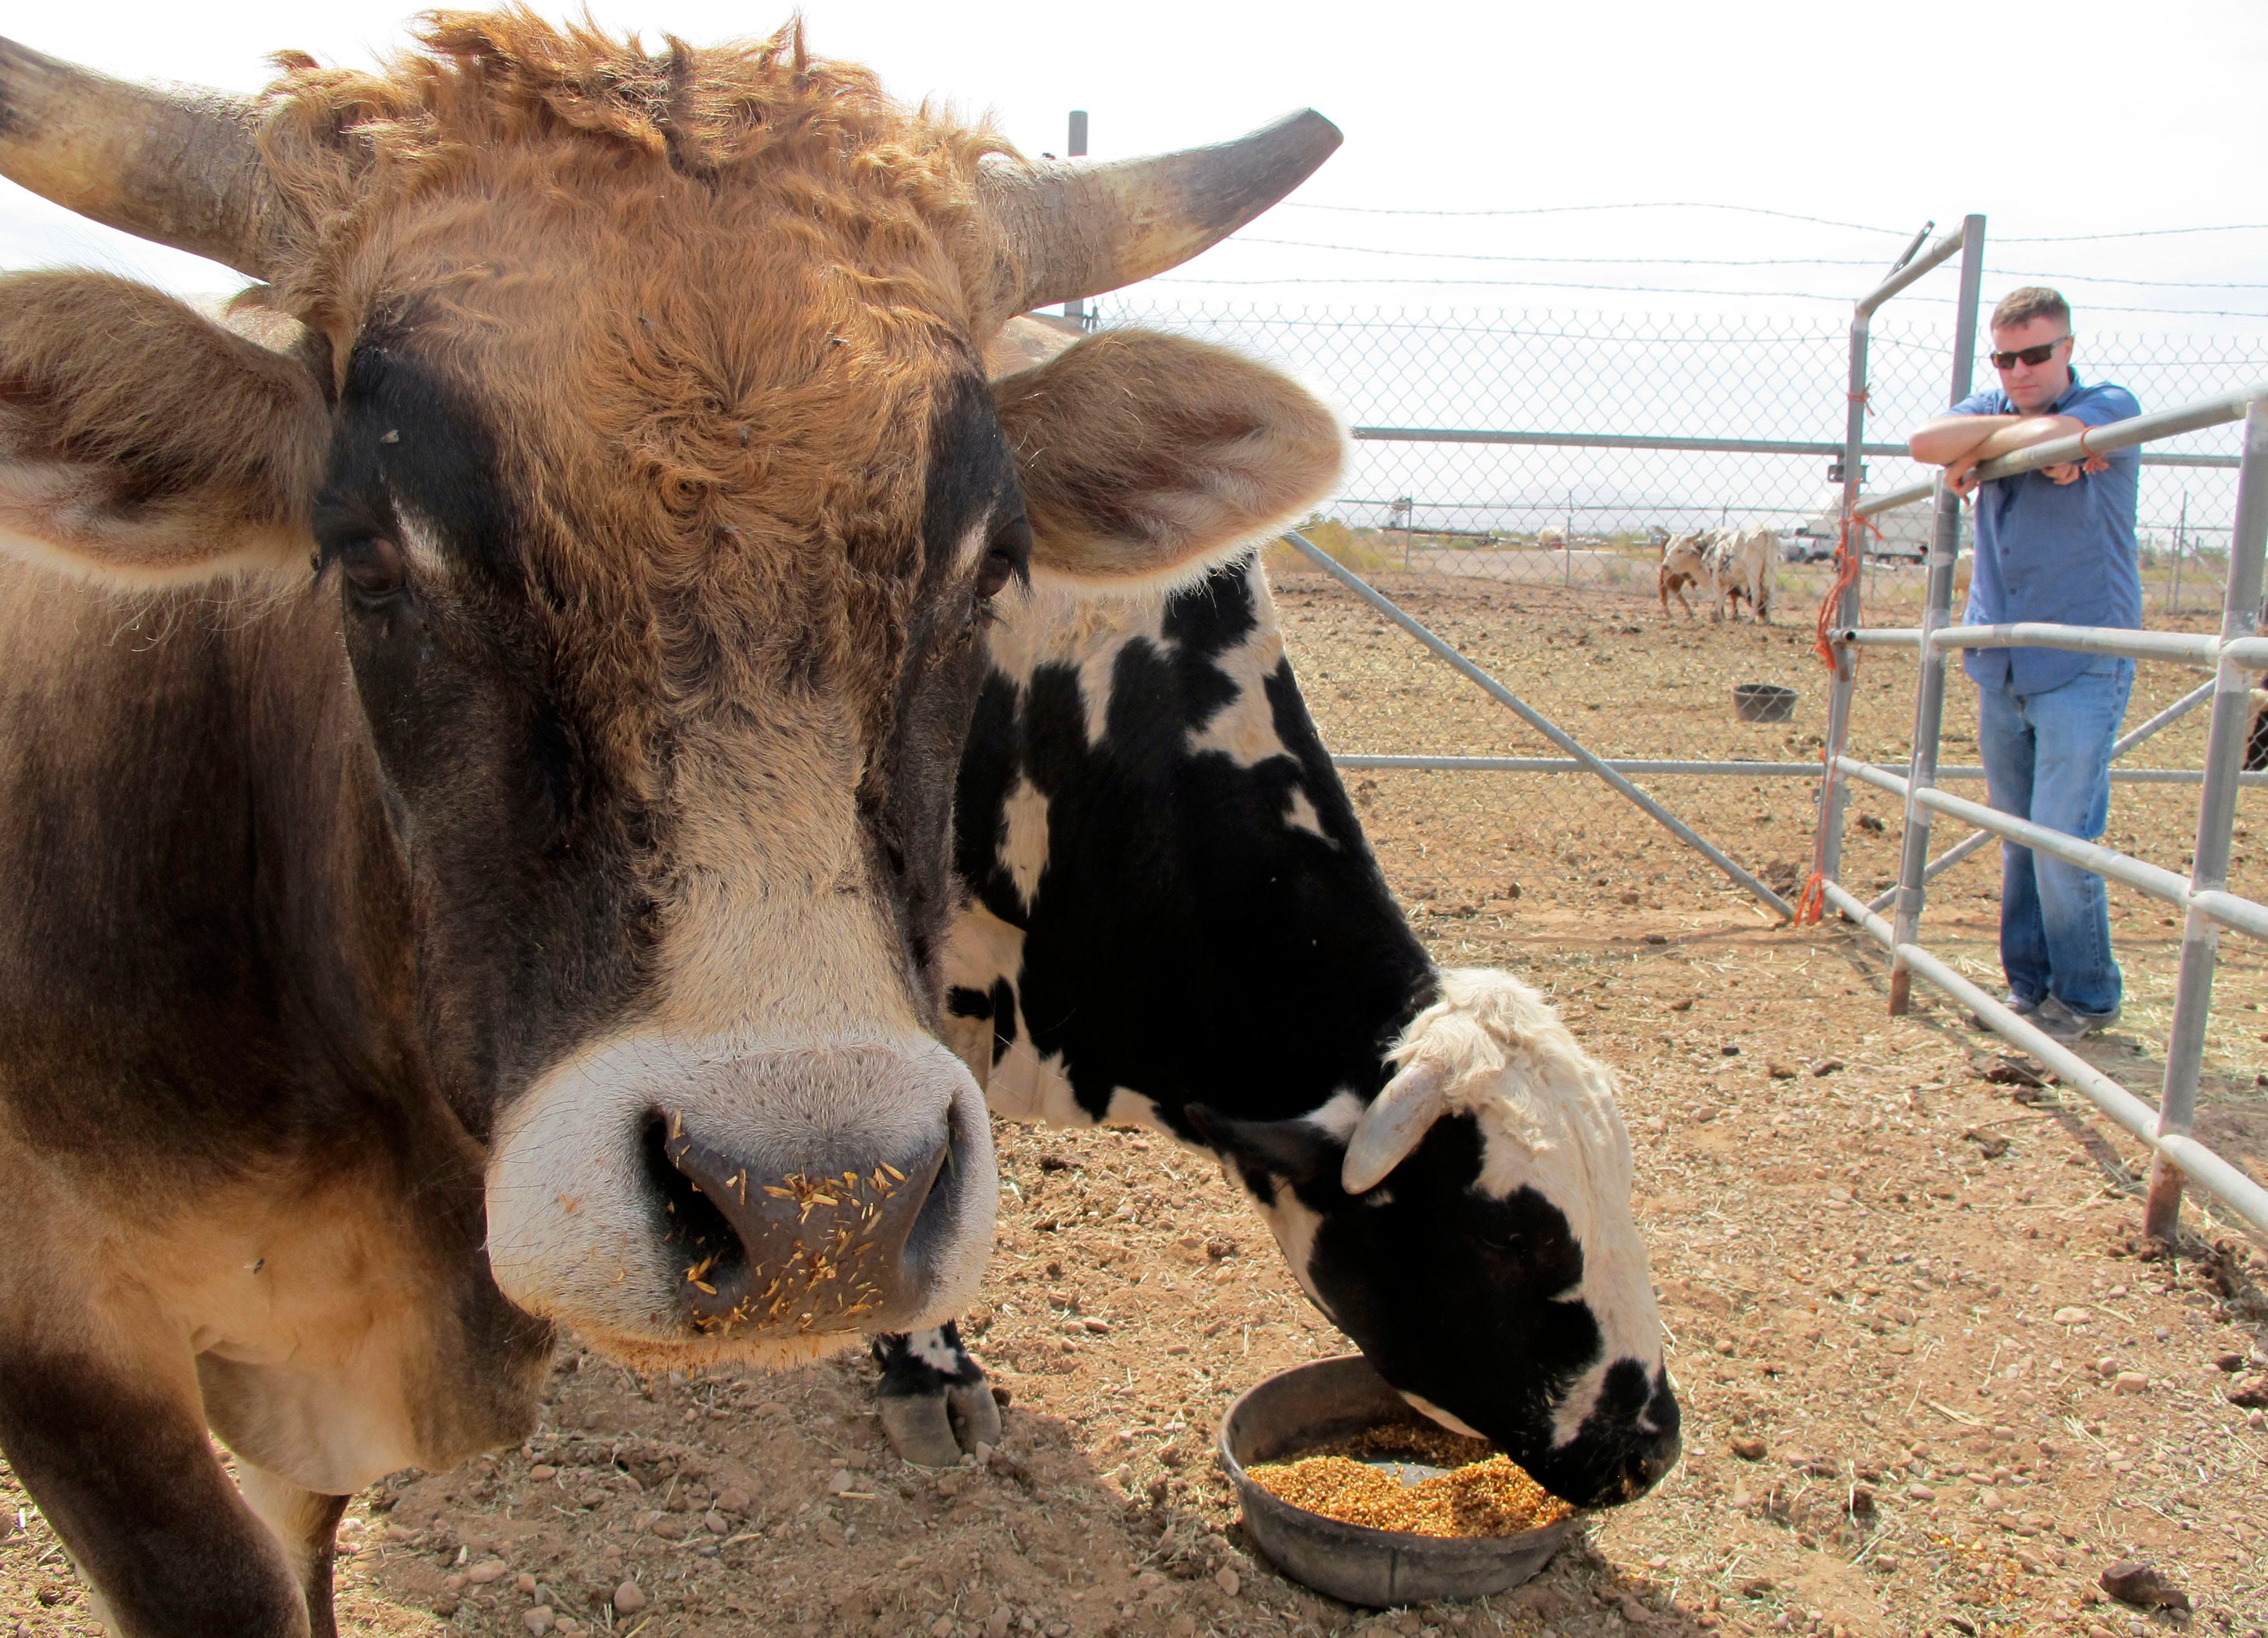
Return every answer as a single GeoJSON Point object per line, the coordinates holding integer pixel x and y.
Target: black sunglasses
{"type": "Point", "coordinates": [2040, 354]}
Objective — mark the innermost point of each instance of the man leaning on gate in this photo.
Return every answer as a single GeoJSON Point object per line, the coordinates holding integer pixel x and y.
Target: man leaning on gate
{"type": "Point", "coordinates": [2054, 545]}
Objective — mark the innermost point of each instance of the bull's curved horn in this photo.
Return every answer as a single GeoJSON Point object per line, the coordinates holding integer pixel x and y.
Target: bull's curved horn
{"type": "Point", "coordinates": [1394, 1123]}
{"type": "Point", "coordinates": [176, 167]}
{"type": "Point", "coordinates": [1070, 229]}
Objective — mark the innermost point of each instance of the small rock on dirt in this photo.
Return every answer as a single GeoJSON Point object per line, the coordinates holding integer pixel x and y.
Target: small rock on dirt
{"type": "Point", "coordinates": [1993, 1144]}
{"type": "Point", "coordinates": [1827, 1067]}
{"type": "Point", "coordinates": [2131, 1381]}
{"type": "Point", "coordinates": [1229, 1581]}
{"type": "Point", "coordinates": [1749, 1449]}
{"type": "Point", "coordinates": [2071, 1317]}
{"type": "Point", "coordinates": [629, 1598]}
{"type": "Point", "coordinates": [2012, 1071]}
{"type": "Point", "coordinates": [1780, 1071]}
{"type": "Point", "coordinates": [2134, 1581]}
{"type": "Point", "coordinates": [2229, 1362]}
{"type": "Point", "coordinates": [1682, 1003]}
{"type": "Point", "coordinates": [538, 1620]}
{"type": "Point", "coordinates": [524, 1584]}
{"type": "Point", "coordinates": [2249, 1393]}
{"type": "Point", "coordinates": [486, 1571]}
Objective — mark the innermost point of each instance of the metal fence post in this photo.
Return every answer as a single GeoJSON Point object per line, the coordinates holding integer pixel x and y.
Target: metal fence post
{"type": "Point", "coordinates": [2224, 760]}
{"type": "Point", "coordinates": [1929, 692]}
{"type": "Point", "coordinates": [1910, 267]}
{"type": "Point", "coordinates": [1076, 149]}
{"type": "Point", "coordinates": [1846, 611]}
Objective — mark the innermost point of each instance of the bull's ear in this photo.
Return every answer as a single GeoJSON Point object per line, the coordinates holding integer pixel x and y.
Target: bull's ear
{"type": "Point", "coordinates": [1298, 1151]}
{"type": "Point", "coordinates": [1148, 457]}
{"type": "Point", "coordinates": [142, 444]}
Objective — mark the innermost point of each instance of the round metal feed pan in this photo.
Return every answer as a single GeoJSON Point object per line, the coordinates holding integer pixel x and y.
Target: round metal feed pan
{"type": "Point", "coordinates": [1763, 702]}
{"type": "Point", "coordinates": [1292, 1413]}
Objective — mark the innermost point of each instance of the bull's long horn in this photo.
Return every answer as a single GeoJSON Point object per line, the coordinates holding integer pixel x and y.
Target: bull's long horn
{"type": "Point", "coordinates": [1394, 1123]}
{"type": "Point", "coordinates": [176, 167]}
{"type": "Point", "coordinates": [1070, 229]}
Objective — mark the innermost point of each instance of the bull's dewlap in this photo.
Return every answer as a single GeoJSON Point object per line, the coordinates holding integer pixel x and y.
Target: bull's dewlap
{"type": "Point", "coordinates": [1491, 1496]}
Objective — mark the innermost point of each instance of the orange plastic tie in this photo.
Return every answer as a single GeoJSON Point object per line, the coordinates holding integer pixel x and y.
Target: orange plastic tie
{"type": "Point", "coordinates": [1847, 570]}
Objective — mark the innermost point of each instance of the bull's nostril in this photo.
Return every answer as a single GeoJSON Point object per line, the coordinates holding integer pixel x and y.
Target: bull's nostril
{"type": "Point", "coordinates": [815, 1249]}
{"type": "Point", "coordinates": [702, 1238]}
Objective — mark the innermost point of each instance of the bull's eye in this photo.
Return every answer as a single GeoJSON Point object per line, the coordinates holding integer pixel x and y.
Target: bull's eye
{"type": "Point", "coordinates": [1008, 558]}
{"type": "Point", "coordinates": [373, 567]}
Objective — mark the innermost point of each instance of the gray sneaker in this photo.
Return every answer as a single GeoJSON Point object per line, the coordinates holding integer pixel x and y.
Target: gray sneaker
{"type": "Point", "coordinates": [2067, 1024]}
{"type": "Point", "coordinates": [2023, 1006]}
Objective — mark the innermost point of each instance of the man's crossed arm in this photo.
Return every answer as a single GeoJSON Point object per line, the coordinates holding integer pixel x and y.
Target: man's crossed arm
{"type": "Point", "coordinates": [1961, 443]}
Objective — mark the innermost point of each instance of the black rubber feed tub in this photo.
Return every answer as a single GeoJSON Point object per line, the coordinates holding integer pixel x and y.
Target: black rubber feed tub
{"type": "Point", "coordinates": [1290, 1415]}
{"type": "Point", "coordinates": [1763, 702]}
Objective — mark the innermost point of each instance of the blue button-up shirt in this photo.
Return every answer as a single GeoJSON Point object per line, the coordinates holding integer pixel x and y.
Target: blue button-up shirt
{"type": "Point", "coordinates": [2058, 552]}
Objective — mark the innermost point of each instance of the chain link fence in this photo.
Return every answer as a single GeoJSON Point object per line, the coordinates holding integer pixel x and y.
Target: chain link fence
{"type": "Point", "coordinates": [1513, 477]}
{"type": "Point", "coordinates": [1567, 503]}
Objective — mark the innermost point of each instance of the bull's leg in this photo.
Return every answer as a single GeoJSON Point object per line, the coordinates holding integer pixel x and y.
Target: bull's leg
{"type": "Point", "coordinates": [119, 1465]}
{"type": "Point", "coordinates": [305, 1524]}
{"type": "Point", "coordinates": [935, 1400]}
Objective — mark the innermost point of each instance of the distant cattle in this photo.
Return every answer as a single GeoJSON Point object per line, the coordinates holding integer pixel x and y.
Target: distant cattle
{"type": "Point", "coordinates": [1685, 562]}
{"type": "Point", "coordinates": [1741, 563]}
{"type": "Point", "coordinates": [533, 912]}
{"type": "Point", "coordinates": [1176, 922]}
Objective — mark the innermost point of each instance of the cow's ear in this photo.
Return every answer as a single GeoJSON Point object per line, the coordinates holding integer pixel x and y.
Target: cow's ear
{"type": "Point", "coordinates": [1152, 458]}
{"type": "Point", "coordinates": [142, 444]}
{"type": "Point", "coordinates": [1298, 1151]}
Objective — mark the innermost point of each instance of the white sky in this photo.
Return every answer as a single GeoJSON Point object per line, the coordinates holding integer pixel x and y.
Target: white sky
{"type": "Point", "coordinates": [2085, 117]}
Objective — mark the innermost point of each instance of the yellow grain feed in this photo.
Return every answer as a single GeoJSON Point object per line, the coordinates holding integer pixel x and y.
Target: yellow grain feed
{"type": "Point", "coordinates": [1488, 1496]}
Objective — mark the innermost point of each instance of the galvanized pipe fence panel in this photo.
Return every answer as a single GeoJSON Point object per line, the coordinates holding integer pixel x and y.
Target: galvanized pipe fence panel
{"type": "Point", "coordinates": [2234, 653]}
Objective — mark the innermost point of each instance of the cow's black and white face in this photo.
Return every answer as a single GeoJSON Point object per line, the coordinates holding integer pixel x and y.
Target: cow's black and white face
{"type": "Point", "coordinates": [1495, 1275]}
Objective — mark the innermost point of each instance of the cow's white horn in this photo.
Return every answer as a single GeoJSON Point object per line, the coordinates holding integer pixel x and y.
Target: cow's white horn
{"type": "Point", "coordinates": [175, 167]}
{"type": "Point", "coordinates": [1069, 229]}
{"type": "Point", "coordinates": [1394, 1123]}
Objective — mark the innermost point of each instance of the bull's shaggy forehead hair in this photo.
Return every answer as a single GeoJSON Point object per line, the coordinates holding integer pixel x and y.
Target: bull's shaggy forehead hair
{"type": "Point", "coordinates": [709, 304]}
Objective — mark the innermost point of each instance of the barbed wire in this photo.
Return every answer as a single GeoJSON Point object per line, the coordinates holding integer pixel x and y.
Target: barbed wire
{"type": "Point", "coordinates": [1789, 216]}
{"type": "Point", "coordinates": [1840, 298]}
{"type": "Point", "coordinates": [1669, 204]}
{"type": "Point", "coordinates": [1712, 262]}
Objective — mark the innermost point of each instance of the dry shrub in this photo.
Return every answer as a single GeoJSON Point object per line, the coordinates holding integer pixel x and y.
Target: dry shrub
{"type": "Point", "coordinates": [1359, 549]}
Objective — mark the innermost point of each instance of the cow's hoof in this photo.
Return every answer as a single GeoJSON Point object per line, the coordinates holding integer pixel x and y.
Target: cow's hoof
{"type": "Point", "coordinates": [920, 1430]}
{"type": "Point", "coordinates": [975, 1414]}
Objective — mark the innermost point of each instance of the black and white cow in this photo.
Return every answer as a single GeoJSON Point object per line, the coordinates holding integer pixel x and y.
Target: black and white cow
{"type": "Point", "coordinates": [1175, 922]}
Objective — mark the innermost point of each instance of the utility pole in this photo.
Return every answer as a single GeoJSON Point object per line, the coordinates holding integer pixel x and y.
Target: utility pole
{"type": "Point", "coordinates": [1076, 149]}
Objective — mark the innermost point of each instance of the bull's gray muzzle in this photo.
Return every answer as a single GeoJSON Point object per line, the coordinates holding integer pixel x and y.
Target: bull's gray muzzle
{"type": "Point", "coordinates": [744, 1196]}
{"type": "Point", "coordinates": [828, 1237]}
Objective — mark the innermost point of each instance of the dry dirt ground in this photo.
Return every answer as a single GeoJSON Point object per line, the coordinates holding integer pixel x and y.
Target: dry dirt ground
{"type": "Point", "coordinates": [1929, 1386]}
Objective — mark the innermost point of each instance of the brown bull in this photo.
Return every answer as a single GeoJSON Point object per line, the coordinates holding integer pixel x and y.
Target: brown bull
{"type": "Point", "coordinates": [529, 915]}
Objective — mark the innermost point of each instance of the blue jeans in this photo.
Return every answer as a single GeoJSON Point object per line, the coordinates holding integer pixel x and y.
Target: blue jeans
{"type": "Point", "coordinates": [2047, 758]}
